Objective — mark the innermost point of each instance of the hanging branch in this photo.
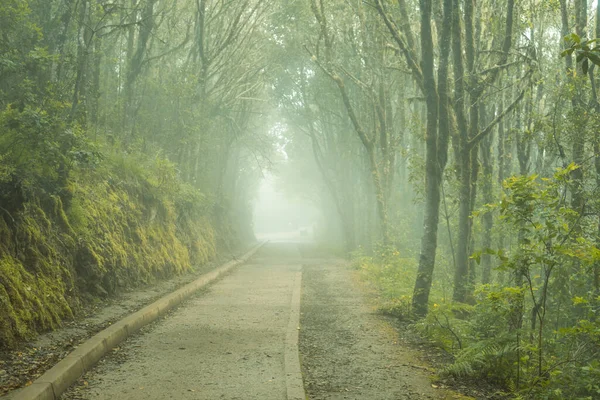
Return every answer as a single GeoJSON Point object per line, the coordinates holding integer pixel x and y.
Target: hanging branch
{"type": "Point", "coordinates": [411, 58]}
{"type": "Point", "coordinates": [475, 140]}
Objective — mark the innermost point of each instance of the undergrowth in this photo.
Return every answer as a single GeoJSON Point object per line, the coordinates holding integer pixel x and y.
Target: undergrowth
{"type": "Point", "coordinates": [123, 222]}
{"type": "Point", "coordinates": [490, 339]}
{"type": "Point", "coordinates": [390, 273]}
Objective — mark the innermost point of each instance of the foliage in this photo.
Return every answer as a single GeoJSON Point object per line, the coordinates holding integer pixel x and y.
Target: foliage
{"type": "Point", "coordinates": [128, 223]}
{"type": "Point", "coordinates": [534, 357]}
{"type": "Point", "coordinates": [391, 274]}
{"type": "Point", "coordinates": [585, 53]}
{"type": "Point", "coordinates": [537, 339]}
{"type": "Point", "coordinates": [122, 160]}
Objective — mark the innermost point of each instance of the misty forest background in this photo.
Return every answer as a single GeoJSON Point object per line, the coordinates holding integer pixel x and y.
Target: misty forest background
{"type": "Point", "coordinates": [451, 146]}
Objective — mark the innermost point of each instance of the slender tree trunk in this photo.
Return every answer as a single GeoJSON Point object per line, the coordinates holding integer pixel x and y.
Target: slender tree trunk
{"type": "Point", "coordinates": [578, 149]}
{"type": "Point", "coordinates": [463, 162]}
{"type": "Point", "coordinates": [464, 227]}
{"type": "Point", "coordinates": [472, 202]}
{"type": "Point", "coordinates": [436, 148]}
{"type": "Point", "coordinates": [127, 89]}
{"type": "Point", "coordinates": [468, 176]}
{"type": "Point", "coordinates": [488, 198]}
{"type": "Point", "coordinates": [346, 219]}
{"type": "Point", "coordinates": [596, 281]}
{"type": "Point", "coordinates": [368, 140]}
{"type": "Point", "coordinates": [379, 196]}
{"type": "Point", "coordinates": [136, 63]}
{"type": "Point", "coordinates": [468, 132]}
{"type": "Point", "coordinates": [94, 93]}
{"type": "Point", "coordinates": [62, 40]}
{"type": "Point", "coordinates": [501, 170]}
{"type": "Point", "coordinates": [84, 38]}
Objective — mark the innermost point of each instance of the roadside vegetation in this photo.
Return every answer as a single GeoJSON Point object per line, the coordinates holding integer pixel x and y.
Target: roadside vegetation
{"type": "Point", "coordinates": [123, 158]}
{"type": "Point", "coordinates": [458, 144]}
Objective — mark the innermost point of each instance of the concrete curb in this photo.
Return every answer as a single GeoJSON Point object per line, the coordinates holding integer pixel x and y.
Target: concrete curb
{"type": "Point", "coordinates": [59, 378]}
{"type": "Point", "coordinates": [293, 373]}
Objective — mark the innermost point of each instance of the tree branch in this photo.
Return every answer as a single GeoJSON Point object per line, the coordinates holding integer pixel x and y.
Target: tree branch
{"type": "Point", "coordinates": [475, 140]}
{"type": "Point", "coordinates": [411, 58]}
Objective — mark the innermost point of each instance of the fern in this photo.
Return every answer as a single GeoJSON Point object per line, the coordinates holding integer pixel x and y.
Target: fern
{"type": "Point", "coordinates": [459, 369]}
{"type": "Point", "coordinates": [481, 358]}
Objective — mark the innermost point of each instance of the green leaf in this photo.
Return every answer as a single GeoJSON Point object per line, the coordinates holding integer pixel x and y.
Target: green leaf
{"type": "Point", "coordinates": [594, 57]}
{"type": "Point", "coordinates": [573, 37]}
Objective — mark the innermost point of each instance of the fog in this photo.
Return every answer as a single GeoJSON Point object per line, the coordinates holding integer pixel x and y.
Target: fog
{"type": "Point", "coordinates": [280, 216]}
{"type": "Point", "coordinates": [448, 148]}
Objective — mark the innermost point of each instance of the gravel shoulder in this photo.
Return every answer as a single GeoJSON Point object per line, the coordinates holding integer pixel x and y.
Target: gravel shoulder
{"type": "Point", "coordinates": [347, 350]}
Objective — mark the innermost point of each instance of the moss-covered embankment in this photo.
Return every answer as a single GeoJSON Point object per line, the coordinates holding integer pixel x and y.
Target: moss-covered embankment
{"type": "Point", "coordinates": [121, 224]}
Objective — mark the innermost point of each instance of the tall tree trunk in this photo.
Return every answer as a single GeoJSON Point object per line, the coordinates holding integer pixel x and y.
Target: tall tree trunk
{"type": "Point", "coordinates": [436, 147]}
{"type": "Point", "coordinates": [136, 63]}
{"type": "Point", "coordinates": [382, 212]}
{"type": "Point", "coordinates": [346, 219]}
{"type": "Point", "coordinates": [577, 199]}
{"type": "Point", "coordinates": [469, 175]}
{"type": "Point", "coordinates": [596, 281]}
{"type": "Point", "coordinates": [488, 198]}
{"type": "Point", "coordinates": [61, 40]}
{"type": "Point", "coordinates": [94, 93]}
{"type": "Point", "coordinates": [502, 167]}
{"type": "Point", "coordinates": [84, 38]}
{"type": "Point", "coordinates": [463, 162]}
{"type": "Point", "coordinates": [469, 132]}
{"type": "Point", "coordinates": [378, 176]}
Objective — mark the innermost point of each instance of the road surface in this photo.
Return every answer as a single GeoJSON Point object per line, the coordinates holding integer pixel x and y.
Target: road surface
{"type": "Point", "coordinates": [230, 341]}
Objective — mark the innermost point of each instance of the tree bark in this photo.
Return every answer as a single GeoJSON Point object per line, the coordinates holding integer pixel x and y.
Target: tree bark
{"type": "Point", "coordinates": [578, 149]}
{"type": "Point", "coordinates": [84, 38]}
{"type": "Point", "coordinates": [469, 134]}
{"type": "Point", "coordinates": [488, 198]}
{"type": "Point", "coordinates": [436, 147]}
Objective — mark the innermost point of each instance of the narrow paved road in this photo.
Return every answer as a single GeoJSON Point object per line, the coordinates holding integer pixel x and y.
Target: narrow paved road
{"type": "Point", "coordinates": [226, 343]}
{"type": "Point", "coordinates": [230, 341]}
